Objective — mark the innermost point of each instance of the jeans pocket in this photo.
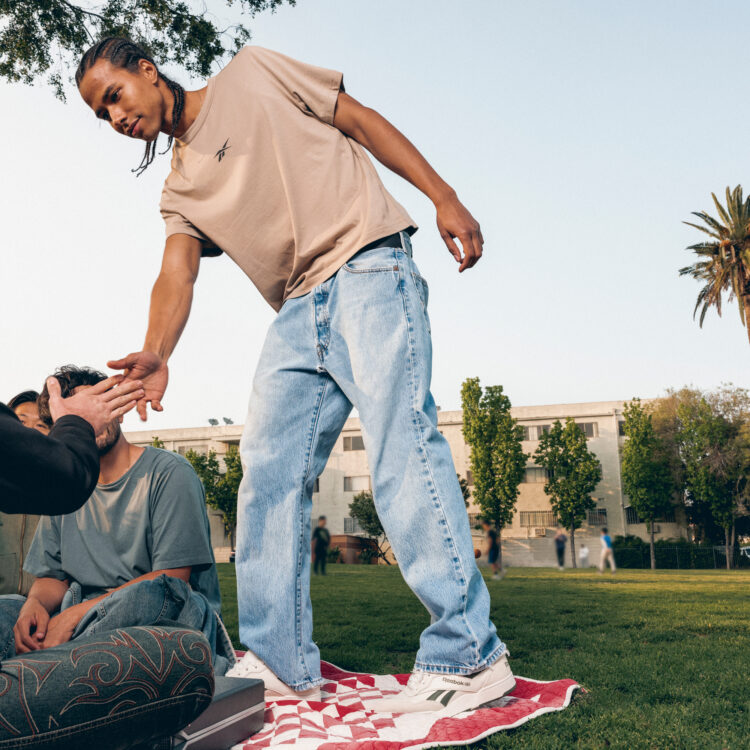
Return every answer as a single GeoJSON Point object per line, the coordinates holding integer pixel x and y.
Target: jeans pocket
{"type": "Point", "coordinates": [377, 260]}
{"type": "Point", "coordinates": [422, 289]}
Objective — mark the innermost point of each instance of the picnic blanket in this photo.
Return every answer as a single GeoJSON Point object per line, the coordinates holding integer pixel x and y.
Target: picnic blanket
{"type": "Point", "coordinates": [340, 722]}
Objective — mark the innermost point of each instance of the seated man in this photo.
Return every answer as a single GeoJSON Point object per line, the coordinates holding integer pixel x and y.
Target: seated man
{"type": "Point", "coordinates": [137, 553]}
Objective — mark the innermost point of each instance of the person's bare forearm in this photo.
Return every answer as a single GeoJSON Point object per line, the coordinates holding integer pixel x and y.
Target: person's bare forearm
{"type": "Point", "coordinates": [171, 300]}
{"type": "Point", "coordinates": [395, 151]}
{"type": "Point", "coordinates": [77, 611]}
{"type": "Point", "coordinates": [49, 592]}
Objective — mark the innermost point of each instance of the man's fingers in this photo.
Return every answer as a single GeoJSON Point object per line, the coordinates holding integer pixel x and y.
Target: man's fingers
{"type": "Point", "coordinates": [53, 388]}
{"type": "Point", "coordinates": [452, 246]}
{"type": "Point", "coordinates": [119, 364]}
{"type": "Point", "coordinates": [141, 408]}
{"type": "Point", "coordinates": [105, 385]}
{"type": "Point", "coordinates": [125, 391]}
{"type": "Point", "coordinates": [477, 245]}
{"type": "Point", "coordinates": [24, 637]}
{"type": "Point", "coordinates": [468, 260]}
{"type": "Point", "coordinates": [156, 405]}
{"type": "Point", "coordinates": [125, 399]}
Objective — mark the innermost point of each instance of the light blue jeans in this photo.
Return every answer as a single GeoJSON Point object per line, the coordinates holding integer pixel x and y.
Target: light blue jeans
{"type": "Point", "coordinates": [361, 338]}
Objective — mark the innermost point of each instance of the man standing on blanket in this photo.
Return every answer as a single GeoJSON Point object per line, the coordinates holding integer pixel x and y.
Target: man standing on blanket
{"type": "Point", "coordinates": [269, 167]}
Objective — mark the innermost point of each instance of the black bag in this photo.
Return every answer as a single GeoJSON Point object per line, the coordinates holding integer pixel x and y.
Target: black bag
{"type": "Point", "coordinates": [235, 713]}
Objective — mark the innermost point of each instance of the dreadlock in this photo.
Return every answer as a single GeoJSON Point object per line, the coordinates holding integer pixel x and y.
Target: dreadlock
{"type": "Point", "coordinates": [123, 53]}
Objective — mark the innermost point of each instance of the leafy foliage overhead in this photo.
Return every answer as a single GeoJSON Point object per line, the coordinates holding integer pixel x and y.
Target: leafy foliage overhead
{"type": "Point", "coordinates": [723, 263]}
{"type": "Point", "coordinates": [44, 39]}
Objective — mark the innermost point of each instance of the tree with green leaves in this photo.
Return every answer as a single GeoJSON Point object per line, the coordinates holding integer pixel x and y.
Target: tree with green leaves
{"type": "Point", "coordinates": [465, 489]}
{"type": "Point", "coordinates": [713, 444]}
{"type": "Point", "coordinates": [221, 487]}
{"type": "Point", "coordinates": [362, 509]}
{"type": "Point", "coordinates": [573, 472]}
{"type": "Point", "coordinates": [724, 261]}
{"type": "Point", "coordinates": [44, 39]}
{"type": "Point", "coordinates": [497, 459]}
{"type": "Point", "coordinates": [646, 473]}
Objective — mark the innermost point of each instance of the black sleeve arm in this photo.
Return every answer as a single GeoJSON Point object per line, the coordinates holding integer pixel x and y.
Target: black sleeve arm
{"type": "Point", "coordinates": [46, 474]}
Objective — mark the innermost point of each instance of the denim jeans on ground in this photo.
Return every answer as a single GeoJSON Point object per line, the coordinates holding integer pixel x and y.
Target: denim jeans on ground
{"type": "Point", "coordinates": [361, 338]}
{"type": "Point", "coordinates": [110, 690]}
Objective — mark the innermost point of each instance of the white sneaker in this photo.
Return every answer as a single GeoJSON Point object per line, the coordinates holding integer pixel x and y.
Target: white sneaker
{"type": "Point", "coordinates": [251, 666]}
{"type": "Point", "coordinates": [449, 694]}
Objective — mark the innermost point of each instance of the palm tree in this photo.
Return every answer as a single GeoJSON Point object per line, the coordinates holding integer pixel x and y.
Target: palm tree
{"type": "Point", "coordinates": [724, 264]}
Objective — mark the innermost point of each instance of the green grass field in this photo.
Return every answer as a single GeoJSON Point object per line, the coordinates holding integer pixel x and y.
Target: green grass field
{"type": "Point", "coordinates": [664, 656]}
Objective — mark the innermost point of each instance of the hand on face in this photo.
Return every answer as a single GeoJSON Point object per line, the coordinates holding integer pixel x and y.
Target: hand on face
{"type": "Point", "coordinates": [98, 405]}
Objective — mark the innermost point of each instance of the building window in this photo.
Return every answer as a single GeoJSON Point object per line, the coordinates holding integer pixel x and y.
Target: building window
{"type": "Point", "coordinates": [357, 484]}
{"type": "Point", "coordinates": [539, 518]}
{"type": "Point", "coordinates": [351, 526]}
{"type": "Point", "coordinates": [354, 443]}
{"type": "Point", "coordinates": [535, 475]}
{"type": "Point", "coordinates": [589, 429]}
{"type": "Point", "coordinates": [200, 449]}
{"type": "Point", "coordinates": [469, 478]}
{"type": "Point", "coordinates": [631, 516]}
{"type": "Point", "coordinates": [598, 517]}
{"type": "Point", "coordinates": [621, 428]}
{"type": "Point", "coordinates": [542, 429]}
{"type": "Point", "coordinates": [316, 486]}
{"type": "Point", "coordinates": [526, 432]}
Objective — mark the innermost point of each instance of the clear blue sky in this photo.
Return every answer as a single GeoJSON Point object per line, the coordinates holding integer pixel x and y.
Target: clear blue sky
{"type": "Point", "coordinates": [580, 133]}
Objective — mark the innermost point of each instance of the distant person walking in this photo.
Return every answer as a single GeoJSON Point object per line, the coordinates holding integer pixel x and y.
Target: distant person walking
{"type": "Point", "coordinates": [583, 556]}
{"type": "Point", "coordinates": [492, 550]}
{"type": "Point", "coordinates": [321, 540]}
{"type": "Point", "coordinates": [560, 540]}
{"type": "Point", "coordinates": [608, 553]}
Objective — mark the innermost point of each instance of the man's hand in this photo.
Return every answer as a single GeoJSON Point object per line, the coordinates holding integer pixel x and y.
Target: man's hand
{"type": "Point", "coordinates": [60, 629]}
{"type": "Point", "coordinates": [455, 221]}
{"type": "Point", "coordinates": [98, 405]}
{"type": "Point", "coordinates": [152, 371]}
{"type": "Point", "coordinates": [31, 626]}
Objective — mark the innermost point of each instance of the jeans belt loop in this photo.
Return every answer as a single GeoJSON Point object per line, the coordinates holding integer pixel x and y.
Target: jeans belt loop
{"type": "Point", "coordinates": [405, 242]}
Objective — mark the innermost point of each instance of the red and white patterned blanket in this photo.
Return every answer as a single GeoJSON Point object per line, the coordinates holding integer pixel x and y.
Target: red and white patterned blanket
{"type": "Point", "coordinates": [340, 722]}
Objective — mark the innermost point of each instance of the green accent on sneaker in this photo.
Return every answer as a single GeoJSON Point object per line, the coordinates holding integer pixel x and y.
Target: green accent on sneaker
{"type": "Point", "coordinates": [447, 697]}
{"type": "Point", "coordinates": [435, 695]}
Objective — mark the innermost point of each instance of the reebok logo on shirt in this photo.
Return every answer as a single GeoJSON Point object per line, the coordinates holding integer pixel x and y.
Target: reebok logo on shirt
{"type": "Point", "coordinates": [221, 153]}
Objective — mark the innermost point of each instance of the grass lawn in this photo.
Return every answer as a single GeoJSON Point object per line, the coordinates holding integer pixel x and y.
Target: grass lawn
{"type": "Point", "coordinates": [664, 655]}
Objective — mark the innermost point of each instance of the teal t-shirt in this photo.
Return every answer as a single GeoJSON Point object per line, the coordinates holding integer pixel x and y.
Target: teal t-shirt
{"type": "Point", "coordinates": [152, 518]}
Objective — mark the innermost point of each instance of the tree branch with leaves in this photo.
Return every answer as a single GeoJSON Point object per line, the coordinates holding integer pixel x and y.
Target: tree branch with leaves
{"type": "Point", "coordinates": [44, 39]}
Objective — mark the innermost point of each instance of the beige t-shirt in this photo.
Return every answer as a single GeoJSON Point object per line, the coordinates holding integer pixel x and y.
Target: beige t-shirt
{"type": "Point", "coordinates": [264, 176]}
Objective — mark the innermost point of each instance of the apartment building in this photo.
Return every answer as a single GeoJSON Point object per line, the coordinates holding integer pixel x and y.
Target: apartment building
{"type": "Point", "coordinates": [528, 540]}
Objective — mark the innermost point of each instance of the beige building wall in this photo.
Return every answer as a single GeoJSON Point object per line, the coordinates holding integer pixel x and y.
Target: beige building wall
{"type": "Point", "coordinates": [527, 541]}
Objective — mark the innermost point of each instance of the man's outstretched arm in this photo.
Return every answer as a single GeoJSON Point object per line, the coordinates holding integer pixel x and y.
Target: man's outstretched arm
{"type": "Point", "coordinates": [391, 147]}
{"type": "Point", "coordinates": [171, 299]}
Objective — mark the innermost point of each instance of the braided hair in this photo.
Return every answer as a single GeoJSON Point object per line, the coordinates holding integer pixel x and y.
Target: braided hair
{"type": "Point", "coordinates": [123, 53]}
